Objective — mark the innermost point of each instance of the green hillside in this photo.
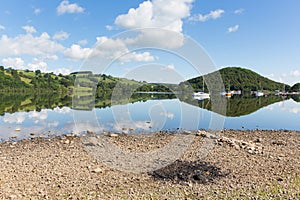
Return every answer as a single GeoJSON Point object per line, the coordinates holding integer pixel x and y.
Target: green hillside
{"type": "Point", "coordinates": [236, 78]}
{"type": "Point", "coordinates": [12, 80]}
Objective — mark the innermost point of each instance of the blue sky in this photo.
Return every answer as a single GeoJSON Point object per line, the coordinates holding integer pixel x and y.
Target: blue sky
{"type": "Point", "coordinates": [59, 35]}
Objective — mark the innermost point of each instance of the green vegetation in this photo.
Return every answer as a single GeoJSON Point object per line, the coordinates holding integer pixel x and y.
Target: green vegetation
{"type": "Point", "coordinates": [296, 87]}
{"type": "Point", "coordinates": [12, 80]}
{"type": "Point", "coordinates": [239, 105]}
{"type": "Point", "coordinates": [235, 78]}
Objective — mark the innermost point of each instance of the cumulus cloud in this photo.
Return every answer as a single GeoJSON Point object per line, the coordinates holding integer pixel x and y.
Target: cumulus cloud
{"type": "Point", "coordinates": [37, 64]}
{"type": "Point", "coordinates": [117, 48]}
{"type": "Point", "coordinates": [61, 35]}
{"type": "Point", "coordinates": [76, 52]}
{"type": "Point", "coordinates": [211, 15]}
{"type": "Point", "coordinates": [28, 45]}
{"type": "Point", "coordinates": [233, 29]}
{"type": "Point", "coordinates": [2, 28]}
{"type": "Point", "coordinates": [166, 14]}
{"type": "Point", "coordinates": [29, 29]}
{"type": "Point", "coordinates": [66, 7]}
{"type": "Point", "coordinates": [16, 63]}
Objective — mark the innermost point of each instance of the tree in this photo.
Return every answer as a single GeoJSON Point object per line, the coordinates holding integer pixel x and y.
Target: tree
{"type": "Point", "coordinates": [37, 72]}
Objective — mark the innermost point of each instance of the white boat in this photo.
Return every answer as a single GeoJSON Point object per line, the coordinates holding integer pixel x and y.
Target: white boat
{"type": "Point", "coordinates": [259, 94]}
{"type": "Point", "coordinates": [201, 95]}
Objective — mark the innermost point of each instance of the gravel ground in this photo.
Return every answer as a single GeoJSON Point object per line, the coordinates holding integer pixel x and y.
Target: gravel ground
{"type": "Point", "coordinates": [241, 165]}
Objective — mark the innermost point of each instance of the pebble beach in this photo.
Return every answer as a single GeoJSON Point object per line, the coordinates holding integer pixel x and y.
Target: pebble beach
{"type": "Point", "coordinates": [253, 164]}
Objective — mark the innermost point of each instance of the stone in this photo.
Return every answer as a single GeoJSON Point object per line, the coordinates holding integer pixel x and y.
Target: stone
{"type": "Point", "coordinates": [97, 170]}
{"type": "Point", "coordinates": [89, 132]}
{"type": "Point", "coordinates": [113, 135]}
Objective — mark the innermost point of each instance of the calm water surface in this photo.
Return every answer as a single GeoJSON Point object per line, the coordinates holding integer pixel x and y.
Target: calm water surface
{"type": "Point", "coordinates": [26, 115]}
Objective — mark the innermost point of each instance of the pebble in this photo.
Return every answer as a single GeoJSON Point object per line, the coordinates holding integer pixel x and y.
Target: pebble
{"type": "Point", "coordinates": [113, 135]}
{"type": "Point", "coordinates": [97, 170]}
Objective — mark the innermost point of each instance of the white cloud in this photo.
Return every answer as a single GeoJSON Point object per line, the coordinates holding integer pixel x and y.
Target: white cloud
{"type": "Point", "coordinates": [38, 116]}
{"type": "Point", "coordinates": [233, 29]}
{"type": "Point", "coordinates": [157, 38]}
{"type": "Point", "coordinates": [29, 29]}
{"type": "Point", "coordinates": [37, 11]}
{"type": "Point", "coordinates": [16, 63]}
{"type": "Point", "coordinates": [28, 45]}
{"type": "Point", "coordinates": [2, 28]}
{"type": "Point", "coordinates": [63, 71]}
{"type": "Point", "coordinates": [211, 15]}
{"type": "Point", "coordinates": [37, 64]}
{"type": "Point", "coordinates": [50, 57]}
{"type": "Point", "coordinates": [117, 48]}
{"type": "Point", "coordinates": [61, 35]}
{"type": "Point", "coordinates": [17, 118]}
{"type": "Point", "coordinates": [239, 11]}
{"type": "Point", "coordinates": [63, 110]}
{"type": "Point", "coordinates": [66, 7]}
{"type": "Point", "coordinates": [137, 57]}
{"type": "Point", "coordinates": [109, 27]}
{"type": "Point", "coordinates": [166, 14]}
{"type": "Point", "coordinates": [76, 52]}
{"type": "Point", "coordinates": [295, 73]}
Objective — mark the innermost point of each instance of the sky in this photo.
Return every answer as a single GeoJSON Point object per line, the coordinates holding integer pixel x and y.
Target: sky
{"type": "Point", "coordinates": [62, 36]}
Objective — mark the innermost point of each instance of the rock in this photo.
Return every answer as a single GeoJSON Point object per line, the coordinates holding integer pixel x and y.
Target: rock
{"type": "Point", "coordinates": [97, 170]}
{"type": "Point", "coordinates": [17, 129]}
{"type": "Point", "coordinates": [279, 142]}
{"type": "Point", "coordinates": [279, 179]}
{"type": "Point", "coordinates": [258, 140]}
{"type": "Point", "coordinates": [89, 132]}
{"type": "Point", "coordinates": [187, 132]}
{"type": "Point", "coordinates": [201, 133]}
{"type": "Point", "coordinates": [13, 137]}
{"type": "Point", "coordinates": [113, 135]}
{"type": "Point", "coordinates": [31, 133]}
{"type": "Point", "coordinates": [67, 142]}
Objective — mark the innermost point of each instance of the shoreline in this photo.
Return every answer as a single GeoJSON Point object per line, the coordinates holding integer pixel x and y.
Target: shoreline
{"type": "Point", "coordinates": [241, 164]}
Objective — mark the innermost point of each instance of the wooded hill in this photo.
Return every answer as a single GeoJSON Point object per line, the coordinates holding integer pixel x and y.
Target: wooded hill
{"type": "Point", "coordinates": [236, 78]}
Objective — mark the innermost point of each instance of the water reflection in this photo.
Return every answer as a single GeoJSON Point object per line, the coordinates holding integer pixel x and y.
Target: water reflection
{"type": "Point", "coordinates": [24, 116]}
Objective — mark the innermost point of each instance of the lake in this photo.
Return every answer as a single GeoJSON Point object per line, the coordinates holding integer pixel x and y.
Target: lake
{"type": "Point", "coordinates": [25, 116]}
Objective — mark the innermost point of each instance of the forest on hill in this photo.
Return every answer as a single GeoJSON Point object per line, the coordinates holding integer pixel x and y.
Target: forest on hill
{"type": "Point", "coordinates": [236, 78]}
